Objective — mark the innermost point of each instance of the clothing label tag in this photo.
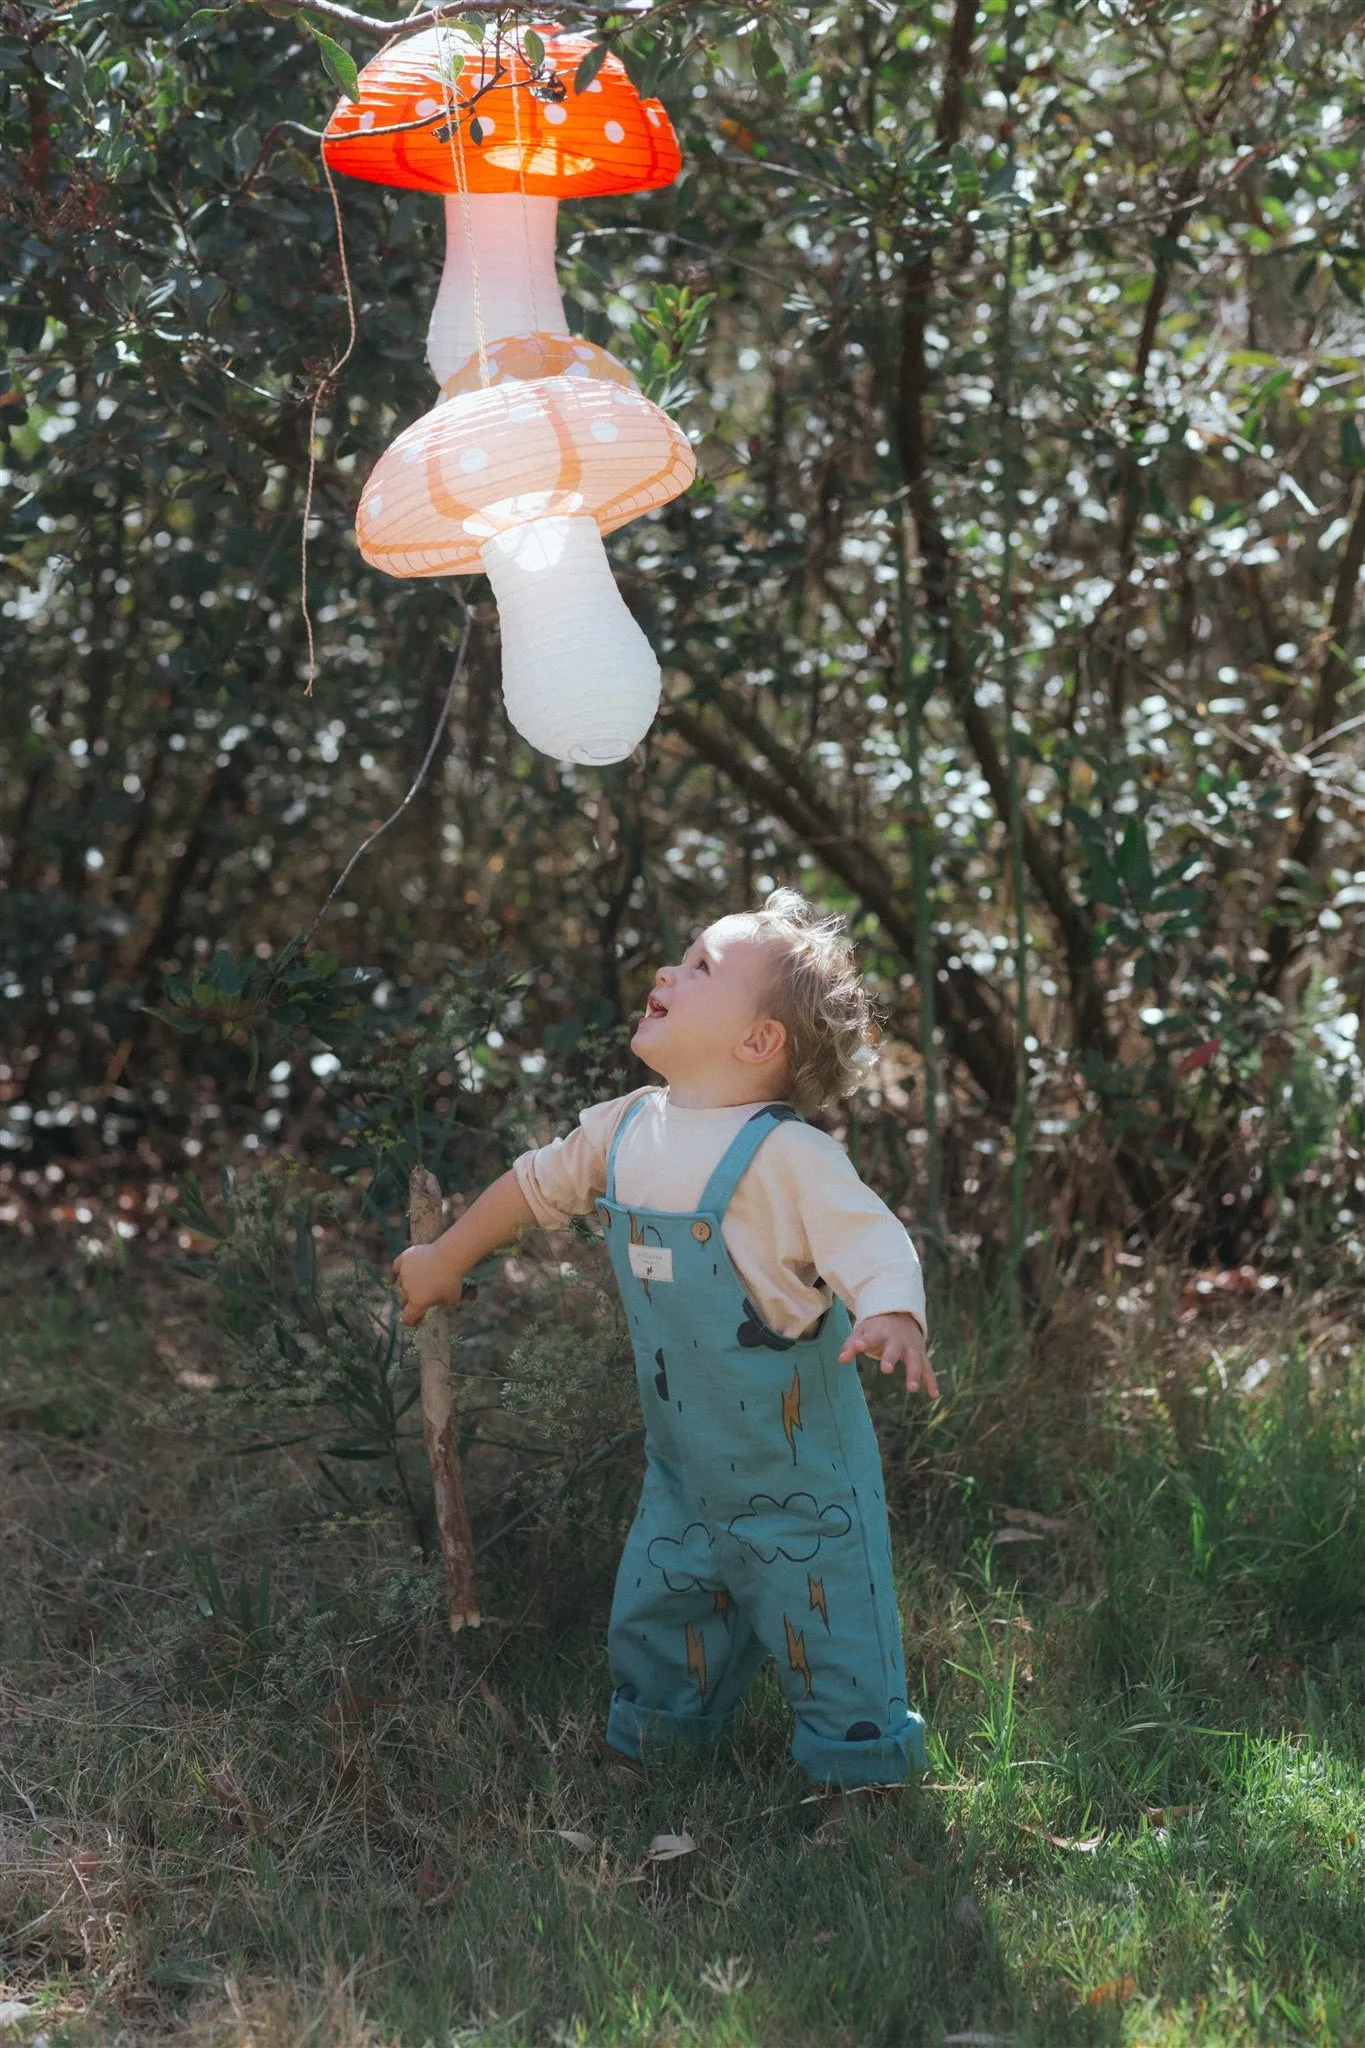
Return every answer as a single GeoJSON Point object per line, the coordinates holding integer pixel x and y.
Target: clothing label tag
{"type": "Point", "coordinates": [651, 1261]}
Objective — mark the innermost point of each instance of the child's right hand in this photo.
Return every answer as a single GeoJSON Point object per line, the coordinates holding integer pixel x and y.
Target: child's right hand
{"type": "Point", "coordinates": [424, 1281]}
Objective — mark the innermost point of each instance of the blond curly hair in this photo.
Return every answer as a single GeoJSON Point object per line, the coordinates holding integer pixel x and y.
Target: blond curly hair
{"type": "Point", "coordinates": [817, 993]}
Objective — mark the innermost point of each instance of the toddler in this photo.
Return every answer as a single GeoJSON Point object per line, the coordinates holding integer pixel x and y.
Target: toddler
{"type": "Point", "coordinates": [738, 1233]}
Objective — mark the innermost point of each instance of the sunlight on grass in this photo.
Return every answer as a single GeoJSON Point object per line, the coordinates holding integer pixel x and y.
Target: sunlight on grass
{"type": "Point", "coordinates": [271, 1803]}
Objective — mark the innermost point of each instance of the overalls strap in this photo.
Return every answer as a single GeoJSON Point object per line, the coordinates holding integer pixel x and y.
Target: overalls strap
{"type": "Point", "coordinates": [737, 1159]}
{"type": "Point", "coordinates": [621, 1129]}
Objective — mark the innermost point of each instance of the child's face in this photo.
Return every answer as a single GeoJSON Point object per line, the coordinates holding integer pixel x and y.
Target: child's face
{"type": "Point", "coordinates": [706, 1017]}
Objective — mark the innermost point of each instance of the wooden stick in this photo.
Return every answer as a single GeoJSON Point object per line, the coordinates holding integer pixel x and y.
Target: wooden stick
{"type": "Point", "coordinates": [433, 1349]}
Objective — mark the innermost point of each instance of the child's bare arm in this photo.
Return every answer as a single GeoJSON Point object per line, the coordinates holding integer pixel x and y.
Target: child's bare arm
{"type": "Point", "coordinates": [433, 1273]}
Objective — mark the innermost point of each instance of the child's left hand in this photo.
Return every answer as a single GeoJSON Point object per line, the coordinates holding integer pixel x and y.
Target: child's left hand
{"type": "Point", "coordinates": [892, 1339]}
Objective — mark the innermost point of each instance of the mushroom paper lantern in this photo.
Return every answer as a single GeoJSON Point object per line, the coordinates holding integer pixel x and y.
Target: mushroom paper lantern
{"type": "Point", "coordinates": [522, 480]}
{"type": "Point", "coordinates": [542, 443]}
{"type": "Point", "coordinates": [538, 141]}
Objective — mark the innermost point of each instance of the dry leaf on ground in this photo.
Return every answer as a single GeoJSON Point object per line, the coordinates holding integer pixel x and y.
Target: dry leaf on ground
{"type": "Point", "coordinates": [1086, 1847]}
{"type": "Point", "coordinates": [666, 1848]}
{"type": "Point", "coordinates": [1029, 1518]}
{"type": "Point", "coordinates": [1114, 1991]}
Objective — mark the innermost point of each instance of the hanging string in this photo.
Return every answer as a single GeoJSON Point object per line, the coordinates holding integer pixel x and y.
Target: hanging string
{"type": "Point", "coordinates": [430, 755]}
{"type": "Point", "coordinates": [521, 184]}
{"type": "Point", "coordinates": [1008, 508]}
{"type": "Point", "coordinates": [324, 387]}
{"type": "Point", "coordinates": [456, 138]}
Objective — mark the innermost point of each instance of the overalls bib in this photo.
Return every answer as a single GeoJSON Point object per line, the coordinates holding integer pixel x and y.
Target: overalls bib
{"type": "Point", "coordinates": [762, 1523]}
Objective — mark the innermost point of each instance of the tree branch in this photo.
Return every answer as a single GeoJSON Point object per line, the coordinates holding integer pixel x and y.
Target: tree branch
{"type": "Point", "coordinates": [1334, 674]}
{"type": "Point", "coordinates": [365, 24]}
{"type": "Point", "coordinates": [937, 573]}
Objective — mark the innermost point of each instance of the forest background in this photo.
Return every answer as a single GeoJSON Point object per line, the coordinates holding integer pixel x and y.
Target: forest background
{"type": "Point", "coordinates": [1016, 613]}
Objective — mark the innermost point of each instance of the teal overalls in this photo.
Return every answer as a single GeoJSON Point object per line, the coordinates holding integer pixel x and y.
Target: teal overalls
{"type": "Point", "coordinates": [762, 1523]}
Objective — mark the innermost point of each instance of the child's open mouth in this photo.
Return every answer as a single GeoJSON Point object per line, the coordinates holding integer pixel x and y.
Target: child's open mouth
{"type": "Point", "coordinates": [654, 1008]}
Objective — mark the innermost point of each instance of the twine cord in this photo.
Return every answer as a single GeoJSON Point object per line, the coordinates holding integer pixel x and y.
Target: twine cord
{"type": "Point", "coordinates": [456, 138]}
{"type": "Point", "coordinates": [521, 181]}
{"type": "Point", "coordinates": [323, 390]}
{"type": "Point", "coordinates": [417, 781]}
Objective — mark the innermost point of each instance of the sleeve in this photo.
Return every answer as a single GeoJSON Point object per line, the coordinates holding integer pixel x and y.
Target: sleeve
{"type": "Point", "coordinates": [564, 1178]}
{"type": "Point", "coordinates": [856, 1243]}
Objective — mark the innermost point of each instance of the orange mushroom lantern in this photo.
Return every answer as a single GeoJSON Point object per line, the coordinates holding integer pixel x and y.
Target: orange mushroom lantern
{"type": "Point", "coordinates": [541, 443]}
{"type": "Point", "coordinates": [504, 139]}
{"type": "Point", "coordinates": [521, 480]}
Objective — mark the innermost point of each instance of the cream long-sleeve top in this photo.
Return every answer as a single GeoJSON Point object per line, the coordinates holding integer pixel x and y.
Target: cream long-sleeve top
{"type": "Point", "coordinates": [800, 1225]}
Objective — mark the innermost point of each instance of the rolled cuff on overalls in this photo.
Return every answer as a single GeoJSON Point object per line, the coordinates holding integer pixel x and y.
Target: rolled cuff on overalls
{"type": "Point", "coordinates": [883, 1760]}
{"type": "Point", "coordinates": [640, 1731]}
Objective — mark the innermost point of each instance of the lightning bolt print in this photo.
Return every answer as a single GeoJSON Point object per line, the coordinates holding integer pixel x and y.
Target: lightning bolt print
{"type": "Point", "coordinates": [816, 1588]}
{"type": "Point", "coordinates": [796, 1654]}
{"type": "Point", "coordinates": [721, 1603]}
{"type": "Point", "coordinates": [791, 1412]}
{"type": "Point", "coordinates": [696, 1659]}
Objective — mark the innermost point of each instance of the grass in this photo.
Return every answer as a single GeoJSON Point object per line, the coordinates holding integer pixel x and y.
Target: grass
{"type": "Point", "coordinates": [251, 1792]}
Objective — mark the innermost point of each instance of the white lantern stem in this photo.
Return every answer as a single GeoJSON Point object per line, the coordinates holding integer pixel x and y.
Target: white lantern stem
{"type": "Point", "coordinates": [579, 678]}
{"type": "Point", "coordinates": [510, 240]}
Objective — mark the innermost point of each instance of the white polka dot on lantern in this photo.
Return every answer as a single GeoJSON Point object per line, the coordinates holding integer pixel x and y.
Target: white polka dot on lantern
{"type": "Point", "coordinates": [604, 430]}
{"type": "Point", "coordinates": [472, 459]}
{"type": "Point", "coordinates": [554, 113]}
{"type": "Point", "coordinates": [367, 119]}
{"type": "Point", "coordinates": [615, 132]}
{"type": "Point", "coordinates": [486, 125]}
{"type": "Point", "coordinates": [596, 85]}
{"type": "Point", "coordinates": [424, 109]}
{"type": "Point", "coordinates": [652, 116]}
{"type": "Point", "coordinates": [584, 351]}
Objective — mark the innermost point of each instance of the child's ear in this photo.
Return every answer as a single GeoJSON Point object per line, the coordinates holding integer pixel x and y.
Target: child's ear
{"type": "Point", "coordinates": [764, 1042]}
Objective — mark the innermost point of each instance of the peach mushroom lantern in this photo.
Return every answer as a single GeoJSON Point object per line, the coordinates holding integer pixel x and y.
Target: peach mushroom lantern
{"type": "Point", "coordinates": [538, 141]}
{"type": "Point", "coordinates": [521, 480]}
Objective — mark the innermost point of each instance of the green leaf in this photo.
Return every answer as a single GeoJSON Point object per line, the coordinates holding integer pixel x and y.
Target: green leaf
{"type": "Point", "coordinates": [1132, 861]}
{"type": "Point", "coordinates": [339, 64]}
{"type": "Point", "coordinates": [1344, 279]}
{"type": "Point", "coordinates": [1166, 251]}
{"type": "Point", "coordinates": [533, 49]}
{"type": "Point", "coordinates": [590, 66]}
{"type": "Point", "coordinates": [471, 26]}
{"type": "Point", "coordinates": [764, 58]}
{"type": "Point", "coordinates": [1352, 446]}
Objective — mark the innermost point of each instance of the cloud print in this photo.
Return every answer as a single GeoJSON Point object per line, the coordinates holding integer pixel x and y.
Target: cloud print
{"type": "Point", "coordinates": [793, 1528]}
{"type": "Point", "coordinates": [685, 1561]}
